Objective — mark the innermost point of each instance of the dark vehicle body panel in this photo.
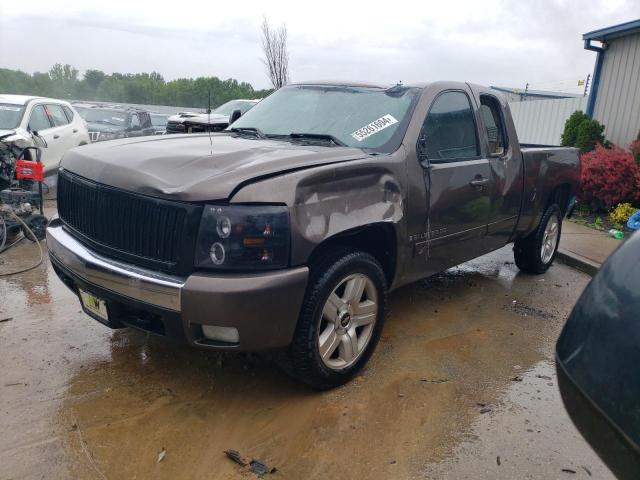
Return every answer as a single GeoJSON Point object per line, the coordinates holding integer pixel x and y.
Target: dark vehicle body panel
{"type": "Point", "coordinates": [597, 357]}
{"type": "Point", "coordinates": [143, 119]}
{"type": "Point", "coordinates": [428, 215]}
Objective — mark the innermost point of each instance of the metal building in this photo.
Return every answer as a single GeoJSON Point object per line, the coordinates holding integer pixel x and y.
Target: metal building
{"type": "Point", "coordinates": [527, 95]}
{"type": "Point", "coordinates": [615, 95]}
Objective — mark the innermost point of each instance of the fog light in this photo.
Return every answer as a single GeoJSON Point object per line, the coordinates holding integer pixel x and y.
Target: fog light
{"type": "Point", "coordinates": [217, 253]}
{"type": "Point", "coordinates": [221, 334]}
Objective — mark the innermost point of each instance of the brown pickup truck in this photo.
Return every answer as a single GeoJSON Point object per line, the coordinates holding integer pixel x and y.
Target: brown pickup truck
{"type": "Point", "coordinates": [287, 230]}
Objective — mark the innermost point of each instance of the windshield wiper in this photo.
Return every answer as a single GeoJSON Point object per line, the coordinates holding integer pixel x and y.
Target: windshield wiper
{"type": "Point", "coordinates": [318, 136]}
{"type": "Point", "coordinates": [251, 130]}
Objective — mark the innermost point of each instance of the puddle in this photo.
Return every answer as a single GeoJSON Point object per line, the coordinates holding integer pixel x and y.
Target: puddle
{"type": "Point", "coordinates": [100, 402]}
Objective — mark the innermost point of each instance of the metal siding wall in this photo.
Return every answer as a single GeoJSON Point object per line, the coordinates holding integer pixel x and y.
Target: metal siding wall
{"type": "Point", "coordinates": [542, 121]}
{"type": "Point", "coordinates": [618, 101]}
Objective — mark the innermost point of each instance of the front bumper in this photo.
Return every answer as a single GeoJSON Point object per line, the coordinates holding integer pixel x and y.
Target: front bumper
{"type": "Point", "coordinates": [263, 307]}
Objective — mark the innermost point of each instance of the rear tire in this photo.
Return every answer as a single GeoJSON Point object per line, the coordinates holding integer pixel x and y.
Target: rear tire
{"type": "Point", "coordinates": [536, 252]}
{"type": "Point", "coordinates": [341, 319]}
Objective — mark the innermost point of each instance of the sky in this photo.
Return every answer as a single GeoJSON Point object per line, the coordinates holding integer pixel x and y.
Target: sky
{"type": "Point", "coordinates": [492, 42]}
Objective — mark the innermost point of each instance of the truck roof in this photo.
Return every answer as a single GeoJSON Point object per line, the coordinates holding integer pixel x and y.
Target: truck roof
{"type": "Point", "coordinates": [347, 83]}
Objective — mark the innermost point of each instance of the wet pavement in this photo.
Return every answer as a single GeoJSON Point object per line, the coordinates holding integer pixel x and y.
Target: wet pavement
{"type": "Point", "coordinates": [462, 385]}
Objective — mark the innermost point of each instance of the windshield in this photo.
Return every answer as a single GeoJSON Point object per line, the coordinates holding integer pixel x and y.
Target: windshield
{"type": "Point", "coordinates": [228, 108]}
{"type": "Point", "coordinates": [159, 120]}
{"type": "Point", "coordinates": [10, 115]}
{"type": "Point", "coordinates": [108, 117]}
{"type": "Point", "coordinates": [371, 118]}
{"type": "Point", "coordinates": [82, 111]}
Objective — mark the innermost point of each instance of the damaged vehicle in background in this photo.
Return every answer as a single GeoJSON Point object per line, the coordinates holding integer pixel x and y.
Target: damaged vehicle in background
{"type": "Point", "coordinates": [159, 122]}
{"type": "Point", "coordinates": [111, 122]}
{"type": "Point", "coordinates": [55, 121]}
{"type": "Point", "coordinates": [216, 121]}
{"type": "Point", "coordinates": [288, 230]}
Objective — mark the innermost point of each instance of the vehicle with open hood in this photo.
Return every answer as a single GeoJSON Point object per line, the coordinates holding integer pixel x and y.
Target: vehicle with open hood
{"type": "Point", "coordinates": [288, 229]}
{"type": "Point", "coordinates": [217, 120]}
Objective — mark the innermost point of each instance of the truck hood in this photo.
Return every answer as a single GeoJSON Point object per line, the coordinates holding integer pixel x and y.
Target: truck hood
{"type": "Point", "coordinates": [182, 167]}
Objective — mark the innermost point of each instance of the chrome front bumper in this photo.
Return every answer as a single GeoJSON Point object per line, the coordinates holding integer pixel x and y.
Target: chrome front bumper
{"type": "Point", "coordinates": [127, 280]}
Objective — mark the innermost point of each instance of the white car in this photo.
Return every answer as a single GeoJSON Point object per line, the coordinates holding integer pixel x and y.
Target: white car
{"type": "Point", "coordinates": [54, 120]}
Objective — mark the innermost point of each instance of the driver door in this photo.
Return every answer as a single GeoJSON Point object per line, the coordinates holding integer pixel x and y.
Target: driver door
{"type": "Point", "coordinates": [457, 180]}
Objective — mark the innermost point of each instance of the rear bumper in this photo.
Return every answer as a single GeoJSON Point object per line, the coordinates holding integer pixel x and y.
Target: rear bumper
{"type": "Point", "coordinates": [263, 307]}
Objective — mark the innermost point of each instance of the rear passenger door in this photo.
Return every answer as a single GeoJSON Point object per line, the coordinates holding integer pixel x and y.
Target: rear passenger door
{"type": "Point", "coordinates": [506, 173]}
{"type": "Point", "coordinates": [62, 128]}
{"type": "Point", "coordinates": [457, 181]}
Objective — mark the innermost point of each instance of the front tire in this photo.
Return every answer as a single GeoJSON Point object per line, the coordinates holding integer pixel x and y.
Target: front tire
{"type": "Point", "coordinates": [37, 223]}
{"type": "Point", "coordinates": [536, 252]}
{"type": "Point", "coordinates": [341, 319]}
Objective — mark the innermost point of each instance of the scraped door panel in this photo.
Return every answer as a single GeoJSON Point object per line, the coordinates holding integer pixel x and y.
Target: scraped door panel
{"type": "Point", "coordinates": [458, 212]}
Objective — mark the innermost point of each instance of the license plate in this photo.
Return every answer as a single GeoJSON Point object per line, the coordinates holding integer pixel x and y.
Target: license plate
{"type": "Point", "coordinates": [94, 305]}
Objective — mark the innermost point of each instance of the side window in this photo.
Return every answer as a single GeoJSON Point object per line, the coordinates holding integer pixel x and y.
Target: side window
{"type": "Point", "coordinates": [493, 124]}
{"type": "Point", "coordinates": [145, 120]}
{"type": "Point", "coordinates": [450, 129]}
{"type": "Point", "coordinates": [135, 122]}
{"type": "Point", "coordinates": [68, 112]}
{"type": "Point", "coordinates": [39, 120]}
{"type": "Point", "coordinates": [57, 115]}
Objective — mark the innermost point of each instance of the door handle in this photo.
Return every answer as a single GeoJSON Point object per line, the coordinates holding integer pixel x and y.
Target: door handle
{"type": "Point", "coordinates": [479, 181]}
{"type": "Point", "coordinates": [56, 137]}
{"type": "Point", "coordinates": [75, 130]}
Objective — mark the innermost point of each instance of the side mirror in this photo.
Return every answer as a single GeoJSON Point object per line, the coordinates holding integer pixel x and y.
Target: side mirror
{"type": "Point", "coordinates": [235, 116]}
{"type": "Point", "coordinates": [38, 141]}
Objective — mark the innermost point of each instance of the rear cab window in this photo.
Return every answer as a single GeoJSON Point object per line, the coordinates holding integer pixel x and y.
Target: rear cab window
{"type": "Point", "coordinates": [493, 120]}
{"type": "Point", "coordinates": [449, 131]}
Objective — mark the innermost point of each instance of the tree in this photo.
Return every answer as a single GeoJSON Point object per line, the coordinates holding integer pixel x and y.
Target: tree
{"type": "Point", "coordinates": [571, 128]}
{"type": "Point", "coordinates": [93, 78]}
{"type": "Point", "coordinates": [582, 132]}
{"type": "Point", "coordinates": [145, 88]}
{"type": "Point", "coordinates": [276, 55]}
{"type": "Point", "coordinates": [589, 134]}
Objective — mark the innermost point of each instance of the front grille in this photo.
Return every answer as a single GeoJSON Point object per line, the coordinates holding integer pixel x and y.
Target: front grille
{"type": "Point", "coordinates": [143, 230]}
{"type": "Point", "coordinates": [175, 127]}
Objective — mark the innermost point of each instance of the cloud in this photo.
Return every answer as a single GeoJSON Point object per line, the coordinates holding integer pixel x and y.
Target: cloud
{"type": "Point", "coordinates": [490, 42]}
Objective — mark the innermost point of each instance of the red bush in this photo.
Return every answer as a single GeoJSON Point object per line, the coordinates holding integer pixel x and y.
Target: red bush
{"type": "Point", "coordinates": [609, 177]}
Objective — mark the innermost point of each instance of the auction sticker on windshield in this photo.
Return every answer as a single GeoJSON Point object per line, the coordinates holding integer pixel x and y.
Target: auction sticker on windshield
{"type": "Point", "coordinates": [374, 127]}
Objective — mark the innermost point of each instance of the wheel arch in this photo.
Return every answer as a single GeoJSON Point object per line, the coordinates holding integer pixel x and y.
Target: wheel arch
{"type": "Point", "coordinates": [560, 195]}
{"type": "Point", "coordinates": [377, 239]}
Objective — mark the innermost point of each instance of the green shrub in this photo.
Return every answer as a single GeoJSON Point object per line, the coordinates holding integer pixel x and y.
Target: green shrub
{"type": "Point", "coordinates": [582, 132]}
{"type": "Point", "coordinates": [570, 132]}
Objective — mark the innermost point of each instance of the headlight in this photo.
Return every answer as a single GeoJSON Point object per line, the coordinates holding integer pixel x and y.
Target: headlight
{"type": "Point", "coordinates": [109, 135]}
{"type": "Point", "coordinates": [243, 237]}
